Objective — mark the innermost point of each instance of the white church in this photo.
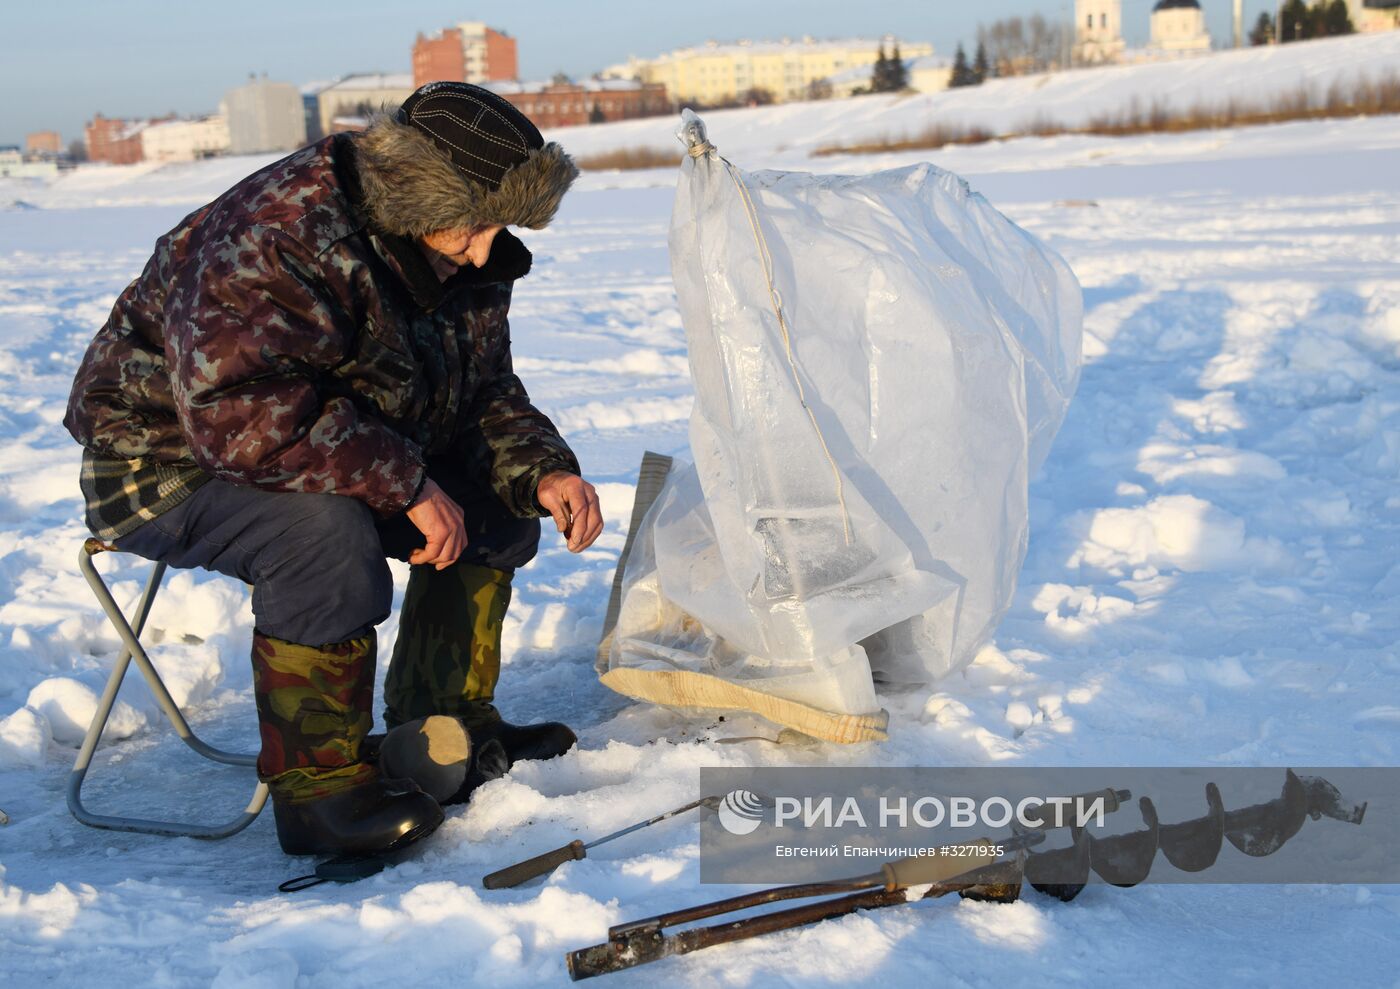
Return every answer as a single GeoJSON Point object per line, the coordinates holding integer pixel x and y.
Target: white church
{"type": "Point", "coordinates": [1178, 28]}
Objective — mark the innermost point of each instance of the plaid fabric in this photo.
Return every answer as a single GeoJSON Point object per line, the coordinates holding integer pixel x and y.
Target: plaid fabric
{"type": "Point", "coordinates": [122, 495]}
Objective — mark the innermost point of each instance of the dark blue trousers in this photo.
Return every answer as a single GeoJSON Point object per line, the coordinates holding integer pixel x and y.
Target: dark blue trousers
{"type": "Point", "coordinates": [317, 562]}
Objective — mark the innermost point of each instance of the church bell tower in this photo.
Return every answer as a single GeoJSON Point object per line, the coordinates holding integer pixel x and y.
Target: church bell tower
{"type": "Point", "coordinates": [1098, 31]}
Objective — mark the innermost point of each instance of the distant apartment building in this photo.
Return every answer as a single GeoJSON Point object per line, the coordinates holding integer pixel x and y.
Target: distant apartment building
{"type": "Point", "coordinates": [467, 52]}
{"type": "Point", "coordinates": [114, 141]}
{"type": "Point", "coordinates": [186, 140]}
{"type": "Point", "coordinates": [568, 104]}
{"type": "Point", "coordinates": [264, 116]}
{"type": "Point", "coordinates": [43, 143]}
{"type": "Point", "coordinates": [360, 95]}
{"type": "Point", "coordinates": [716, 73]}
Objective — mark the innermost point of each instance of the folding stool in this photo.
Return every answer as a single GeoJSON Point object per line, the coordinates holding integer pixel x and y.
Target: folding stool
{"type": "Point", "coordinates": [130, 634]}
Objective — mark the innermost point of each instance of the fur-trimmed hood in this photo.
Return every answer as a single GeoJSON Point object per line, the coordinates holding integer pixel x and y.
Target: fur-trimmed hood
{"type": "Point", "coordinates": [411, 188]}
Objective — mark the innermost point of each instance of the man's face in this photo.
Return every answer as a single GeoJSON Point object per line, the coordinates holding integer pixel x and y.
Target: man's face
{"type": "Point", "coordinates": [470, 245]}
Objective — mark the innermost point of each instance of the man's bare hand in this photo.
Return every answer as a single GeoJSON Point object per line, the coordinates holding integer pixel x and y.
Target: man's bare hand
{"type": "Point", "coordinates": [439, 518]}
{"type": "Point", "coordinates": [574, 504]}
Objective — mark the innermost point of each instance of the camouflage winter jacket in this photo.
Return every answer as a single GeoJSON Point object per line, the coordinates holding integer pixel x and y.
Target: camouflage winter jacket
{"type": "Point", "coordinates": [276, 339]}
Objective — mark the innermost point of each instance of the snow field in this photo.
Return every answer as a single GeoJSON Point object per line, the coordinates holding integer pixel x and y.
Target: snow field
{"type": "Point", "coordinates": [1212, 579]}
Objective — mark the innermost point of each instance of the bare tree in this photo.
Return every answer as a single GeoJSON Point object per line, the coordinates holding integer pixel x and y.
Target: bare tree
{"type": "Point", "coordinates": [1046, 43]}
{"type": "Point", "coordinates": [1017, 46]}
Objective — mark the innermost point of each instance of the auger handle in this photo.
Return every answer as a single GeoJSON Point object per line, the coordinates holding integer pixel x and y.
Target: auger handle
{"type": "Point", "coordinates": [949, 862]}
{"type": "Point", "coordinates": [540, 865]}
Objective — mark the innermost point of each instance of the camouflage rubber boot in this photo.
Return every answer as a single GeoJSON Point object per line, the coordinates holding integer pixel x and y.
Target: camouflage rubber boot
{"type": "Point", "coordinates": [314, 711]}
{"type": "Point", "coordinates": [448, 655]}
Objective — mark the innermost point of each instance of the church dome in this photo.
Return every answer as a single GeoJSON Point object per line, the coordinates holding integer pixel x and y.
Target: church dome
{"type": "Point", "coordinates": [1176, 5]}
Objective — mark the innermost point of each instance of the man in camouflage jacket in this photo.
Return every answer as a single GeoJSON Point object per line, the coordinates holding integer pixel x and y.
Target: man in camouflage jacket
{"type": "Point", "coordinates": [312, 373]}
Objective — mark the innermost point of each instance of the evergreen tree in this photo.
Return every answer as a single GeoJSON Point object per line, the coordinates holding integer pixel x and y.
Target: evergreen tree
{"type": "Point", "coordinates": [1295, 21]}
{"type": "Point", "coordinates": [979, 65]}
{"type": "Point", "coordinates": [1263, 33]}
{"type": "Point", "coordinates": [898, 71]}
{"type": "Point", "coordinates": [1336, 19]}
{"type": "Point", "coordinates": [879, 76]}
{"type": "Point", "coordinates": [962, 75]}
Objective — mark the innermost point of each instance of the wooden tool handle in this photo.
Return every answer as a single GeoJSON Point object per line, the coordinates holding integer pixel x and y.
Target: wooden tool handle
{"type": "Point", "coordinates": [540, 865]}
{"type": "Point", "coordinates": [949, 862]}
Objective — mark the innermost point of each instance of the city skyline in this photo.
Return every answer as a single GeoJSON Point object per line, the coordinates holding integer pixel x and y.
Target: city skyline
{"type": "Point", "coordinates": [150, 57]}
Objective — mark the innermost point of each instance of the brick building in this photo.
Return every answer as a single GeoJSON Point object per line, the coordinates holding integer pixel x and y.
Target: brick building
{"type": "Point", "coordinates": [43, 143]}
{"type": "Point", "coordinates": [439, 57]}
{"type": "Point", "coordinates": [568, 104]}
{"type": "Point", "coordinates": [467, 52]}
{"type": "Point", "coordinates": [117, 142]}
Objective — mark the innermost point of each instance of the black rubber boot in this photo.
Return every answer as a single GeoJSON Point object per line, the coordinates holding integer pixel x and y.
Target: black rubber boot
{"type": "Point", "coordinates": [370, 818]}
{"type": "Point", "coordinates": [520, 742]}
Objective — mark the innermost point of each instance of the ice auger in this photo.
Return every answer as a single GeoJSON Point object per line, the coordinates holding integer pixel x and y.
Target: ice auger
{"type": "Point", "coordinates": [1122, 860]}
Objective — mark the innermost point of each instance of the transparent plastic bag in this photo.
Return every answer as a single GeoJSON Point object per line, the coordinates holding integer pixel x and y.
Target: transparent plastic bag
{"type": "Point", "coordinates": [879, 362]}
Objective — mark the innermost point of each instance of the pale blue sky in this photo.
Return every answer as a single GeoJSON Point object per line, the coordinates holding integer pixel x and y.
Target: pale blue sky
{"type": "Point", "coordinates": [63, 60]}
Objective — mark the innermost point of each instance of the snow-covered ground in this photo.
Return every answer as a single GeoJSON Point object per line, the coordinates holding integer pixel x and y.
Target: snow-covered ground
{"type": "Point", "coordinates": [1212, 579]}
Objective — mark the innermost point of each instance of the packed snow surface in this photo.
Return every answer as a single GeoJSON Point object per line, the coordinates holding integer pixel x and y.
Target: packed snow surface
{"type": "Point", "coordinates": [1212, 579]}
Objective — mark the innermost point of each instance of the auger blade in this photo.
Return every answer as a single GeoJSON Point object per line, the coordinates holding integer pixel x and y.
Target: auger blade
{"type": "Point", "coordinates": [1325, 801]}
{"type": "Point", "coordinates": [1193, 846]}
{"type": "Point", "coordinates": [1003, 882]}
{"type": "Point", "coordinates": [1261, 829]}
{"type": "Point", "coordinates": [1126, 859]}
{"type": "Point", "coordinates": [1062, 863]}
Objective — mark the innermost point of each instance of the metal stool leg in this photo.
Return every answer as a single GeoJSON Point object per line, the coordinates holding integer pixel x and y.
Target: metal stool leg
{"type": "Point", "coordinates": [133, 649]}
